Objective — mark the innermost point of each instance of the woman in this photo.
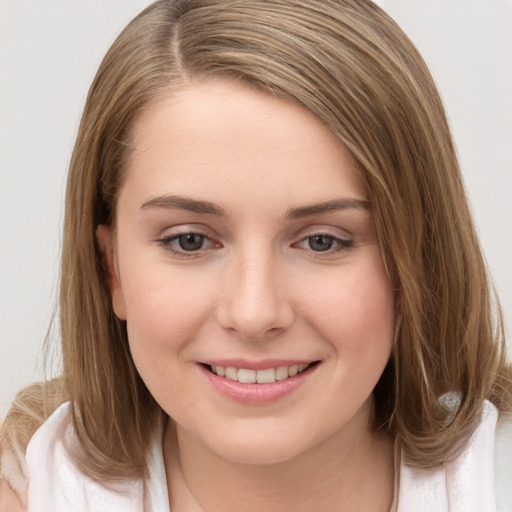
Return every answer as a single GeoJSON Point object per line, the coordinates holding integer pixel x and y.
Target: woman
{"type": "Point", "coordinates": [272, 293]}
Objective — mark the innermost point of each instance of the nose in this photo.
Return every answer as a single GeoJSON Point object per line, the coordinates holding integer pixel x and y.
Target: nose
{"type": "Point", "coordinates": [253, 299]}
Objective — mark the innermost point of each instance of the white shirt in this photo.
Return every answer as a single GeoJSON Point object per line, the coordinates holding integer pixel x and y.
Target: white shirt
{"type": "Point", "coordinates": [466, 484]}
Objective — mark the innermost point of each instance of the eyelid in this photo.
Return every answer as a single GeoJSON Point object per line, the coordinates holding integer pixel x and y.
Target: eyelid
{"type": "Point", "coordinates": [320, 229]}
{"type": "Point", "coordinates": [171, 234]}
{"type": "Point", "coordinates": [342, 241]}
{"type": "Point", "coordinates": [170, 231]}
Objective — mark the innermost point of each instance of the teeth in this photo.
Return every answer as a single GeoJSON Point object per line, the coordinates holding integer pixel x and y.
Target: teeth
{"type": "Point", "coordinates": [231, 373]}
{"type": "Point", "coordinates": [282, 373]}
{"type": "Point", "coordinates": [246, 376]}
{"type": "Point", "coordinates": [265, 376]}
{"type": "Point", "coordinates": [260, 376]}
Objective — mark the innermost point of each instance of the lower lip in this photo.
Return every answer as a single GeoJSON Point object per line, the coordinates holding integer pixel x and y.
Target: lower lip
{"type": "Point", "coordinates": [257, 394]}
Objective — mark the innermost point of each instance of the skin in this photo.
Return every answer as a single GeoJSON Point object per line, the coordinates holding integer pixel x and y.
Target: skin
{"type": "Point", "coordinates": [256, 287]}
{"type": "Point", "coordinates": [9, 500]}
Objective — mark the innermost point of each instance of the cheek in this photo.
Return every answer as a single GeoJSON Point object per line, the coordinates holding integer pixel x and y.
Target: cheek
{"type": "Point", "coordinates": [355, 312]}
{"type": "Point", "coordinates": [162, 320]}
{"type": "Point", "coordinates": [164, 309]}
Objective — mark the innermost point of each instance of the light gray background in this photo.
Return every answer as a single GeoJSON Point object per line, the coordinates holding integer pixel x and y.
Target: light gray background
{"type": "Point", "coordinates": [49, 52]}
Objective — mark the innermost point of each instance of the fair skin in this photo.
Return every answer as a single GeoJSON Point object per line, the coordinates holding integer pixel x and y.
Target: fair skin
{"type": "Point", "coordinates": [245, 245]}
{"type": "Point", "coordinates": [9, 500]}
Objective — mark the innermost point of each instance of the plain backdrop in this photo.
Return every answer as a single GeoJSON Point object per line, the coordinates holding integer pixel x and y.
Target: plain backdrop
{"type": "Point", "coordinates": [49, 52]}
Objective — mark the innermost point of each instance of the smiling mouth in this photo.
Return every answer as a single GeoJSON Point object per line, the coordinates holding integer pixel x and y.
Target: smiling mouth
{"type": "Point", "coordinates": [267, 376]}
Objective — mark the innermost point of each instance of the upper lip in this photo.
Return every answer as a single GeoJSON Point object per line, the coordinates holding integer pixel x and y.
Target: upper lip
{"type": "Point", "coordinates": [256, 365]}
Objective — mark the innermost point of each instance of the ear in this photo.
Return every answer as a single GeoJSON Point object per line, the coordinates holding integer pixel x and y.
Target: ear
{"type": "Point", "coordinates": [105, 238]}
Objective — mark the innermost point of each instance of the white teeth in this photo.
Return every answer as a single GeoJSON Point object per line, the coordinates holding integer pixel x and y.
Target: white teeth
{"type": "Point", "coordinates": [266, 376]}
{"type": "Point", "coordinates": [282, 373]}
{"type": "Point", "coordinates": [231, 373]}
{"type": "Point", "coordinates": [246, 376]}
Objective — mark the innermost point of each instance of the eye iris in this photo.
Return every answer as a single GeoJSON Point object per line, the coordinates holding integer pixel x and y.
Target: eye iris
{"type": "Point", "coordinates": [191, 242]}
{"type": "Point", "coordinates": [320, 243]}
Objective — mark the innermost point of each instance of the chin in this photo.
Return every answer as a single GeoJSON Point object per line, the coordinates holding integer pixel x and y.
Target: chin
{"type": "Point", "coordinates": [261, 446]}
{"type": "Point", "coordinates": [255, 453]}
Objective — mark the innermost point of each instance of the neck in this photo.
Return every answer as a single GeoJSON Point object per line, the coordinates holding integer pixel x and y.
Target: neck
{"type": "Point", "coordinates": [346, 472]}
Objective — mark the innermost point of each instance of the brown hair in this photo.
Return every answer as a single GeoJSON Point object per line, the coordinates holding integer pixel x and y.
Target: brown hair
{"type": "Point", "coordinates": [348, 63]}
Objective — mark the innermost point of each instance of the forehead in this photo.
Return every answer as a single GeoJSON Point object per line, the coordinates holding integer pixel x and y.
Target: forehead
{"type": "Point", "coordinates": [215, 137]}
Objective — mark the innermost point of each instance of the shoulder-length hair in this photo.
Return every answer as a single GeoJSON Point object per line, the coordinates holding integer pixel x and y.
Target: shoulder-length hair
{"type": "Point", "coordinates": [350, 65]}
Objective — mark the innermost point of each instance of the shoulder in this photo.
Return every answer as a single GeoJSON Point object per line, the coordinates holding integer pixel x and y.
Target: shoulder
{"type": "Point", "coordinates": [51, 465]}
{"type": "Point", "coordinates": [503, 462]}
{"type": "Point", "coordinates": [23, 458]}
{"type": "Point", "coordinates": [13, 473]}
{"type": "Point", "coordinates": [477, 479]}
{"type": "Point", "coordinates": [12, 480]}
{"type": "Point", "coordinates": [9, 500]}
{"type": "Point", "coordinates": [27, 413]}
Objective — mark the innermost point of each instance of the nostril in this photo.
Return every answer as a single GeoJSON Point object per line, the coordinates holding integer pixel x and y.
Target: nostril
{"type": "Point", "coordinates": [254, 306]}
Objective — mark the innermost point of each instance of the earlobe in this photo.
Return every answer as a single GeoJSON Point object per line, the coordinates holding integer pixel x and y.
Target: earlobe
{"type": "Point", "coordinates": [105, 239]}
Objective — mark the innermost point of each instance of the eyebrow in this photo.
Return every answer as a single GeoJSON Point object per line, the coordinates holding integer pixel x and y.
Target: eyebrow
{"type": "Point", "coordinates": [171, 202]}
{"type": "Point", "coordinates": [344, 203]}
{"type": "Point", "coordinates": [184, 203]}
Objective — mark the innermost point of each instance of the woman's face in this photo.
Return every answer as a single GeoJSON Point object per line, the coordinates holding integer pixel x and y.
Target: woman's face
{"type": "Point", "coordinates": [245, 250]}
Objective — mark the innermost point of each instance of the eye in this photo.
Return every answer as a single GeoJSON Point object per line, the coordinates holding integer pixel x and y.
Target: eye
{"type": "Point", "coordinates": [187, 244]}
{"type": "Point", "coordinates": [324, 243]}
{"type": "Point", "coordinates": [191, 241]}
{"type": "Point", "coordinates": [320, 243]}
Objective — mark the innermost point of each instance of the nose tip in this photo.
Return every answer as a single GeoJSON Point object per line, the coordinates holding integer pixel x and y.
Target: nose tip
{"type": "Point", "coordinates": [254, 304]}
{"type": "Point", "coordinates": [258, 321]}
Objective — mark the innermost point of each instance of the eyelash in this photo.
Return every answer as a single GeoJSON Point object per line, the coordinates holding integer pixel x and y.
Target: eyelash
{"type": "Point", "coordinates": [166, 243]}
{"type": "Point", "coordinates": [341, 244]}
